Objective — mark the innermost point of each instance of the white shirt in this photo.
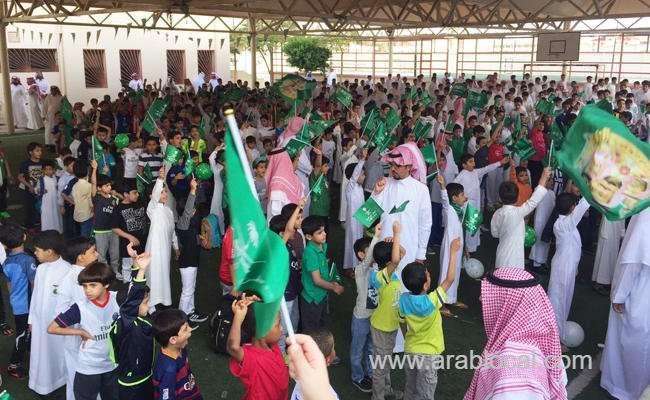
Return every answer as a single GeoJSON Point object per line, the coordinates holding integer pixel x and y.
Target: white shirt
{"type": "Point", "coordinates": [131, 158]}
{"type": "Point", "coordinates": [297, 393]}
{"type": "Point", "coordinates": [330, 78]}
{"type": "Point", "coordinates": [136, 84]}
{"type": "Point", "coordinates": [508, 225]}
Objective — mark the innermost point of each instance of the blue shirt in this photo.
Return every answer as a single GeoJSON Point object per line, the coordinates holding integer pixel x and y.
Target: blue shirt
{"type": "Point", "coordinates": [173, 379]}
{"type": "Point", "coordinates": [20, 269]}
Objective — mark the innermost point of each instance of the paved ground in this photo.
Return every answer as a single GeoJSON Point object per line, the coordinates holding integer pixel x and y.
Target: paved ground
{"type": "Point", "coordinates": [462, 334]}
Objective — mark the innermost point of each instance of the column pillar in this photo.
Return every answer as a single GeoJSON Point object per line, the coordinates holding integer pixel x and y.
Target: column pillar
{"type": "Point", "coordinates": [253, 52]}
{"type": "Point", "coordinates": [4, 66]}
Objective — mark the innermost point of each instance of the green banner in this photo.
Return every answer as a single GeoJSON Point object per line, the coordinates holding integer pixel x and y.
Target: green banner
{"type": "Point", "coordinates": [368, 213]}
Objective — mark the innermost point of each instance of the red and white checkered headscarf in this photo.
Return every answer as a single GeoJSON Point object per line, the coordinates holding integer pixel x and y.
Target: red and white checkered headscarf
{"type": "Point", "coordinates": [409, 154]}
{"type": "Point", "coordinates": [518, 321]}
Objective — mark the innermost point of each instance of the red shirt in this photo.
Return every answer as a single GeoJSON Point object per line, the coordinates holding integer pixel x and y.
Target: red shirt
{"type": "Point", "coordinates": [227, 254]}
{"type": "Point", "coordinates": [537, 140]}
{"type": "Point", "coordinates": [263, 373]}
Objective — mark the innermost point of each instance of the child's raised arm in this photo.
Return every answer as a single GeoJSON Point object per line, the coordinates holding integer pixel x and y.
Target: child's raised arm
{"type": "Point", "coordinates": [453, 260]}
{"type": "Point", "coordinates": [93, 177]}
{"type": "Point", "coordinates": [239, 309]}
{"type": "Point", "coordinates": [290, 228]}
{"type": "Point", "coordinates": [396, 250]}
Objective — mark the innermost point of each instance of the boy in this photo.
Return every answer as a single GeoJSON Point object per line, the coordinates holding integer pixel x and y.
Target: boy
{"type": "Point", "coordinates": [568, 249]}
{"type": "Point", "coordinates": [470, 178]}
{"type": "Point", "coordinates": [47, 370]}
{"type": "Point", "coordinates": [366, 303]}
{"type": "Point", "coordinates": [519, 176]}
{"type": "Point", "coordinates": [131, 336]}
{"type": "Point", "coordinates": [539, 252]}
{"type": "Point", "coordinates": [104, 203]}
{"type": "Point", "coordinates": [30, 172]}
{"type": "Point", "coordinates": [251, 149]}
{"type": "Point", "coordinates": [82, 197]}
{"type": "Point", "coordinates": [48, 195]}
{"type": "Point", "coordinates": [424, 339]}
{"type": "Point", "coordinates": [131, 157]}
{"type": "Point", "coordinates": [151, 157]}
{"type": "Point", "coordinates": [325, 341]}
{"type": "Point", "coordinates": [66, 203]}
{"type": "Point", "coordinates": [317, 276]}
{"type": "Point", "coordinates": [354, 199]}
{"type": "Point", "coordinates": [172, 376]}
{"type": "Point", "coordinates": [384, 321]}
{"type": "Point", "coordinates": [508, 223]}
{"type": "Point", "coordinates": [130, 223]}
{"type": "Point", "coordinates": [259, 169]}
{"type": "Point", "coordinates": [95, 371]}
{"type": "Point", "coordinates": [320, 194]}
{"type": "Point", "coordinates": [80, 252]}
{"type": "Point", "coordinates": [19, 269]}
{"type": "Point", "coordinates": [453, 200]}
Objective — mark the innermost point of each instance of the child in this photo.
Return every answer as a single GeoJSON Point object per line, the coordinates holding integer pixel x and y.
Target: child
{"type": "Point", "coordinates": [187, 230]}
{"type": "Point", "coordinates": [47, 191]}
{"type": "Point", "coordinates": [453, 200]}
{"type": "Point", "coordinates": [131, 336]}
{"type": "Point", "coordinates": [251, 149]}
{"type": "Point", "coordinates": [131, 157]}
{"type": "Point", "coordinates": [82, 197]}
{"type": "Point", "coordinates": [80, 252]}
{"type": "Point", "coordinates": [66, 203]}
{"type": "Point", "coordinates": [519, 176]}
{"type": "Point", "coordinates": [106, 162]}
{"type": "Point", "coordinates": [366, 303]}
{"type": "Point", "coordinates": [196, 143]}
{"type": "Point", "coordinates": [259, 169]}
{"type": "Point", "coordinates": [30, 172]}
{"type": "Point", "coordinates": [95, 371]}
{"type": "Point", "coordinates": [609, 240]}
{"type": "Point", "coordinates": [104, 203]}
{"type": "Point", "coordinates": [259, 364]}
{"type": "Point", "coordinates": [130, 224]}
{"type": "Point", "coordinates": [151, 157]}
{"type": "Point", "coordinates": [354, 199]}
{"type": "Point", "coordinates": [317, 276]}
{"type": "Point", "coordinates": [564, 264]}
{"type": "Point", "coordinates": [508, 221]}
{"type": "Point", "coordinates": [19, 268]}
{"type": "Point", "coordinates": [172, 376]}
{"type": "Point", "coordinates": [47, 369]}
{"type": "Point", "coordinates": [325, 341]}
{"type": "Point", "coordinates": [470, 178]}
{"type": "Point", "coordinates": [419, 309]}
{"type": "Point", "coordinates": [227, 263]}
{"type": "Point", "coordinates": [539, 252]}
{"type": "Point", "coordinates": [320, 195]}
{"type": "Point", "coordinates": [384, 321]}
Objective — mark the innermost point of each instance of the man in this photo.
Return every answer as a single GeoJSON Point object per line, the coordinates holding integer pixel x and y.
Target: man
{"type": "Point", "coordinates": [214, 81]}
{"type": "Point", "coordinates": [135, 84]}
{"type": "Point", "coordinates": [331, 77]}
{"type": "Point", "coordinates": [626, 358]}
{"type": "Point", "coordinates": [42, 84]}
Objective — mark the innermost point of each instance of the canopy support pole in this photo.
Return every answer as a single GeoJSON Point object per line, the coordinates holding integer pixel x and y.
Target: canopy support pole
{"type": "Point", "coordinates": [4, 67]}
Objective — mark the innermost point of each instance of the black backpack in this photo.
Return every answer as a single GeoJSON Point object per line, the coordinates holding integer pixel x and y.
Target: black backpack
{"type": "Point", "coordinates": [220, 324]}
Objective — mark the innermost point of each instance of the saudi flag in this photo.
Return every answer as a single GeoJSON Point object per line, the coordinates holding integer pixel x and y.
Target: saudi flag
{"type": "Point", "coordinates": [368, 213]}
{"type": "Point", "coordinates": [295, 146]}
{"type": "Point", "coordinates": [319, 186]}
{"type": "Point", "coordinates": [459, 89]}
{"type": "Point", "coordinates": [524, 148]}
{"type": "Point", "coordinates": [306, 93]}
{"type": "Point", "coordinates": [289, 87]}
{"type": "Point", "coordinates": [343, 96]}
{"type": "Point", "coordinates": [545, 107]}
{"type": "Point", "coordinates": [370, 121]}
{"type": "Point", "coordinates": [66, 110]}
{"type": "Point", "coordinates": [421, 129]}
{"type": "Point", "coordinates": [261, 259]}
{"type": "Point", "coordinates": [98, 149]}
{"type": "Point", "coordinates": [205, 126]}
{"type": "Point", "coordinates": [143, 180]}
{"type": "Point", "coordinates": [154, 113]}
{"type": "Point", "coordinates": [429, 154]}
{"type": "Point", "coordinates": [425, 99]}
{"type": "Point", "coordinates": [605, 105]}
{"type": "Point", "coordinates": [381, 139]}
{"type": "Point", "coordinates": [609, 164]}
{"type": "Point", "coordinates": [474, 100]}
{"type": "Point", "coordinates": [392, 120]}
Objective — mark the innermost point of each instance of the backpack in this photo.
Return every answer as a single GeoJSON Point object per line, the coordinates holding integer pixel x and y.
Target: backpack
{"type": "Point", "coordinates": [220, 323]}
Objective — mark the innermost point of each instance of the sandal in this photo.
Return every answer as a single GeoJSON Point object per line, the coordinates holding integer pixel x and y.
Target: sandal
{"type": "Point", "coordinates": [6, 329]}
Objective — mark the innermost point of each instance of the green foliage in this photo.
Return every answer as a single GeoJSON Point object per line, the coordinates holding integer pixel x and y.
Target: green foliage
{"type": "Point", "coordinates": [307, 53]}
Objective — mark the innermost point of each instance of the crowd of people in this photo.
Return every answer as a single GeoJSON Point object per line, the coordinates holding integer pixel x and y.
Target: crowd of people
{"type": "Point", "coordinates": [102, 215]}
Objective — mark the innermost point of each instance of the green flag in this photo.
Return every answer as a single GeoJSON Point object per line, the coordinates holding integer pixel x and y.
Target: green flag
{"type": "Point", "coordinates": [545, 107]}
{"type": "Point", "coordinates": [524, 148]}
{"type": "Point", "coordinates": [154, 113]}
{"type": "Point", "coordinates": [517, 125]}
{"type": "Point", "coordinates": [370, 121]}
{"type": "Point", "coordinates": [306, 93]}
{"type": "Point", "coordinates": [98, 149]}
{"type": "Point", "coordinates": [605, 105]}
{"type": "Point", "coordinates": [401, 208]}
{"type": "Point", "coordinates": [609, 164]}
{"type": "Point", "coordinates": [421, 129]}
{"type": "Point", "coordinates": [368, 213]}
{"type": "Point", "coordinates": [472, 219]}
{"type": "Point", "coordinates": [425, 99]}
{"type": "Point", "coordinates": [343, 96]}
{"type": "Point", "coordinates": [413, 93]}
{"type": "Point", "coordinates": [289, 86]}
{"type": "Point", "coordinates": [392, 120]}
{"type": "Point", "coordinates": [429, 154]}
{"type": "Point", "coordinates": [474, 100]}
{"type": "Point", "coordinates": [260, 256]}
{"type": "Point", "coordinates": [458, 89]}
{"type": "Point", "coordinates": [319, 185]}
{"type": "Point", "coordinates": [205, 126]}
{"type": "Point", "coordinates": [66, 110]}
{"type": "Point", "coordinates": [143, 180]}
{"type": "Point", "coordinates": [294, 146]}
{"type": "Point", "coordinates": [449, 126]}
{"type": "Point", "coordinates": [381, 139]}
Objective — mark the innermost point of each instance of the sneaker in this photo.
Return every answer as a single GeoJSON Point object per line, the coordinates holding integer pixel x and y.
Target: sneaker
{"type": "Point", "coordinates": [16, 371]}
{"type": "Point", "coordinates": [336, 361]}
{"type": "Point", "coordinates": [363, 385]}
{"type": "Point", "coordinates": [193, 325]}
{"type": "Point", "coordinates": [198, 317]}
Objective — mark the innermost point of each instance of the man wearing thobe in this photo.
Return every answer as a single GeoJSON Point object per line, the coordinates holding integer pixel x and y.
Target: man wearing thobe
{"type": "Point", "coordinates": [34, 117]}
{"type": "Point", "coordinates": [470, 177]}
{"type": "Point", "coordinates": [43, 85]}
{"type": "Point", "coordinates": [609, 240]}
{"type": "Point", "coordinates": [214, 81]}
{"type": "Point", "coordinates": [331, 77]}
{"type": "Point", "coordinates": [135, 83]}
{"type": "Point", "coordinates": [626, 359]}
{"type": "Point", "coordinates": [19, 103]}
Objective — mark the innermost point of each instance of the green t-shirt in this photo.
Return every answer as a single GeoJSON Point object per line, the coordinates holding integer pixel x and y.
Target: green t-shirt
{"type": "Point", "coordinates": [320, 202]}
{"type": "Point", "coordinates": [314, 259]}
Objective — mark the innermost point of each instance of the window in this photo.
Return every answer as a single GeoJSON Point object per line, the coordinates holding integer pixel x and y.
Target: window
{"type": "Point", "coordinates": [130, 62]}
{"type": "Point", "coordinates": [176, 65]}
{"type": "Point", "coordinates": [33, 60]}
{"type": "Point", "coordinates": [205, 61]}
{"type": "Point", "coordinates": [95, 68]}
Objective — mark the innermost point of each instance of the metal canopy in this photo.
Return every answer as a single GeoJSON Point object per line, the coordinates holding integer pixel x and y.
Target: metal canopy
{"type": "Point", "coordinates": [325, 17]}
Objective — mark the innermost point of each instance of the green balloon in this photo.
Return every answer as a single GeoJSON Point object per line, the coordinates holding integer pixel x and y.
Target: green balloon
{"type": "Point", "coordinates": [121, 140]}
{"type": "Point", "coordinates": [189, 167]}
{"type": "Point", "coordinates": [472, 219]}
{"type": "Point", "coordinates": [530, 237]}
{"type": "Point", "coordinates": [203, 171]}
{"type": "Point", "coordinates": [172, 154]}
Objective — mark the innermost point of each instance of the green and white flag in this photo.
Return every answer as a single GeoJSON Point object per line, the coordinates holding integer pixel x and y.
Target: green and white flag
{"type": "Point", "coordinates": [295, 146]}
{"type": "Point", "coordinates": [260, 256]}
{"type": "Point", "coordinates": [429, 154]}
{"type": "Point", "coordinates": [458, 89]}
{"type": "Point", "coordinates": [381, 139]}
{"type": "Point", "coordinates": [392, 120]}
{"type": "Point", "coordinates": [400, 208]}
{"type": "Point", "coordinates": [368, 213]}
{"type": "Point", "coordinates": [97, 148]}
{"type": "Point", "coordinates": [154, 113]}
{"type": "Point", "coordinates": [545, 107]}
{"type": "Point", "coordinates": [205, 126]}
{"type": "Point", "coordinates": [343, 96]}
{"type": "Point", "coordinates": [143, 180]}
{"type": "Point", "coordinates": [66, 110]}
{"type": "Point", "coordinates": [605, 105]}
{"type": "Point", "coordinates": [421, 129]}
{"type": "Point", "coordinates": [609, 164]}
{"type": "Point", "coordinates": [370, 121]}
{"type": "Point", "coordinates": [425, 99]}
{"type": "Point", "coordinates": [319, 186]}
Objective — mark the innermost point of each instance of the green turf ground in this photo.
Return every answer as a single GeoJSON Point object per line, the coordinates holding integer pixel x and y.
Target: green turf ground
{"type": "Point", "coordinates": [463, 334]}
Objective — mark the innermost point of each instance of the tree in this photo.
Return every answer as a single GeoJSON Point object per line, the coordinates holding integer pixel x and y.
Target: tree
{"type": "Point", "coordinates": [307, 53]}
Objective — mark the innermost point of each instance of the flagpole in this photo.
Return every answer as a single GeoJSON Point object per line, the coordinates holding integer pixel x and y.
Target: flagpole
{"type": "Point", "coordinates": [236, 138]}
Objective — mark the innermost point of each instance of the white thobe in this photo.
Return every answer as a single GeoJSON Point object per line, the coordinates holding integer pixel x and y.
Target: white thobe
{"type": "Point", "coordinates": [34, 117]}
{"type": "Point", "coordinates": [51, 106]}
{"type": "Point", "coordinates": [471, 181]}
{"type": "Point", "coordinates": [304, 170]}
{"type": "Point", "coordinates": [214, 83]}
{"type": "Point", "coordinates": [609, 240]}
{"type": "Point", "coordinates": [162, 236]}
{"type": "Point", "coordinates": [19, 105]}
{"type": "Point", "coordinates": [353, 228]}
{"type": "Point", "coordinates": [626, 359]}
{"type": "Point", "coordinates": [453, 230]}
{"type": "Point", "coordinates": [217, 194]}
{"type": "Point", "coordinates": [564, 265]}
{"type": "Point", "coordinates": [47, 369]}
{"type": "Point", "coordinates": [509, 227]}
{"type": "Point", "coordinates": [50, 215]}
{"type": "Point", "coordinates": [347, 158]}
{"type": "Point", "coordinates": [539, 251]}
{"type": "Point", "coordinates": [43, 86]}
{"type": "Point", "coordinates": [136, 84]}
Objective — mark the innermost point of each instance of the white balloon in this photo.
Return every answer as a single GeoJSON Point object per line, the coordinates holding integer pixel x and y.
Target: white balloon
{"type": "Point", "coordinates": [474, 268]}
{"type": "Point", "coordinates": [574, 335]}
